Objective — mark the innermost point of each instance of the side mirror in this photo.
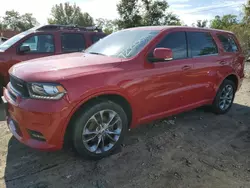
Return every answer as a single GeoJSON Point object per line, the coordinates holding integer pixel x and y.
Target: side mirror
{"type": "Point", "coordinates": [24, 49]}
{"type": "Point", "coordinates": [163, 54]}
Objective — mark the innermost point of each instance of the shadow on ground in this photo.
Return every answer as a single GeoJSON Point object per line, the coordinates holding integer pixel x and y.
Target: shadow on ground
{"type": "Point", "coordinates": [195, 149]}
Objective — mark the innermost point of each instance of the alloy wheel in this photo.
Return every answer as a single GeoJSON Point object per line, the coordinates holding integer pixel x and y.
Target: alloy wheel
{"type": "Point", "coordinates": [226, 97]}
{"type": "Point", "coordinates": [102, 131]}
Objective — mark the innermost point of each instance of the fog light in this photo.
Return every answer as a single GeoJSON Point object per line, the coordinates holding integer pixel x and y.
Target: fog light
{"type": "Point", "coordinates": [36, 135]}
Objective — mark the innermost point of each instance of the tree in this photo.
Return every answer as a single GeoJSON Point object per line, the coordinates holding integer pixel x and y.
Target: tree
{"type": "Point", "coordinates": [108, 26]}
{"type": "Point", "coordinates": [135, 13]}
{"type": "Point", "coordinates": [66, 14]}
{"type": "Point", "coordinates": [201, 23]}
{"type": "Point", "coordinates": [27, 22]}
{"type": "Point", "coordinates": [224, 22]}
{"type": "Point", "coordinates": [246, 12]}
{"type": "Point", "coordinates": [14, 21]}
{"type": "Point", "coordinates": [129, 14]}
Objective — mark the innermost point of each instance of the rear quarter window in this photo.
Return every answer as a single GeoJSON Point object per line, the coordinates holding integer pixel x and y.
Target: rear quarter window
{"type": "Point", "coordinates": [228, 42]}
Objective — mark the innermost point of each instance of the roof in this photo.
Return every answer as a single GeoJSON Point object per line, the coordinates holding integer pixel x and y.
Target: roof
{"type": "Point", "coordinates": [57, 27]}
{"type": "Point", "coordinates": [162, 28]}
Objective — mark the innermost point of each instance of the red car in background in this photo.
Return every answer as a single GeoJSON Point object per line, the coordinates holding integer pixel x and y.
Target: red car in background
{"type": "Point", "coordinates": [44, 41]}
{"type": "Point", "coordinates": [130, 77]}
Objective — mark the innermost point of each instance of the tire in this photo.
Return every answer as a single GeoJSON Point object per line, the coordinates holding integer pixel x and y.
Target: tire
{"type": "Point", "coordinates": [217, 106]}
{"type": "Point", "coordinates": [89, 123]}
{"type": "Point", "coordinates": [1, 90]}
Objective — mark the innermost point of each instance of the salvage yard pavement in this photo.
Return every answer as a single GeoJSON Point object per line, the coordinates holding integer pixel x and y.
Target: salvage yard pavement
{"type": "Point", "coordinates": [192, 149]}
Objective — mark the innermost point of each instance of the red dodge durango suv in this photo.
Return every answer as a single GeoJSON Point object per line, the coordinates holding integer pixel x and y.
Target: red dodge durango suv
{"type": "Point", "coordinates": [44, 41]}
{"type": "Point", "coordinates": [128, 78]}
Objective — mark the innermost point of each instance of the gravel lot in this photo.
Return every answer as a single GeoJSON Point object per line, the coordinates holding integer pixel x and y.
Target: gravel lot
{"type": "Point", "coordinates": [193, 149]}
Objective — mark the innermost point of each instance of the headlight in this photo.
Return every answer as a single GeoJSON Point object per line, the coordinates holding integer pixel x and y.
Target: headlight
{"type": "Point", "coordinates": [46, 91]}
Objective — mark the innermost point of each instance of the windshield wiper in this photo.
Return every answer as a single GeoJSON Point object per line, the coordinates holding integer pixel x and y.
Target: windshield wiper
{"type": "Point", "coordinates": [96, 53]}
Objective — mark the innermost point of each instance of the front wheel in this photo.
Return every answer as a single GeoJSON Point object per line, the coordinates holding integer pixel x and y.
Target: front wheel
{"type": "Point", "coordinates": [224, 97]}
{"type": "Point", "coordinates": [99, 130]}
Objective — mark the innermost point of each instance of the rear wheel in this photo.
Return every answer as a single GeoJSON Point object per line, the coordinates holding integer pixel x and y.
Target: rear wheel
{"type": "Point", "coordinates": [224, 97]}
{"type": "Point", "coordinates": [1, 90]}
{"type": "Point", "coordinates": [99, 130]}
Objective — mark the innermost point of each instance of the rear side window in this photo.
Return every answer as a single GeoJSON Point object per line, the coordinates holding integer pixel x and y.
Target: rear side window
{"type": "Point", "coordinates": [95, 38]}
{"type": "Point", "coordinates": [201, 43]}
{"type": "Point", "coordinates": [228, 43]}
{"type": "Point", "coordinates": [176, 41]}
{"type": "Point", "coordinates": [72, 42]}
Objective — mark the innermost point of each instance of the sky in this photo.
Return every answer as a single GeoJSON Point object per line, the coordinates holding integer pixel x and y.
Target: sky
{"type": "Point", "coordinates": [189, 11]}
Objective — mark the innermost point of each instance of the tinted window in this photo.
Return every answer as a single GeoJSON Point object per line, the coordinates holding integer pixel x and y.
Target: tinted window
{"type": "Point", "coordinates": [95, 38]}
{"type": "Point", "coordinates": [228, 43]}
{"type": "Point", "coordinates": [72, 42]}
{"type": "Point", "coordinates": [201, 43]}
{"type": "Point", "coordinates": [234, 45]}
{"type": "Point", "coordinates": [40, 44]}
{"type": "Point", "coordinates": [176, 41]}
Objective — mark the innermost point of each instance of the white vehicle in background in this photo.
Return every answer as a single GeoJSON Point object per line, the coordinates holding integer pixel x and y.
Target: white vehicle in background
{"type": "Point", "coordinates": [3, 39]}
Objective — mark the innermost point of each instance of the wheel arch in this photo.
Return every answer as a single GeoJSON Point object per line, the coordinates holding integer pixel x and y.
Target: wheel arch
{"type": "Point", "coordinates": [112, 96]}
{"type": "Point", "coordinates": [233, 77]}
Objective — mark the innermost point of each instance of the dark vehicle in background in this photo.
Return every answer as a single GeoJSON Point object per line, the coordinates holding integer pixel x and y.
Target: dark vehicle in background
{"type": "Point", "coordinates": [44, 41]}
{"type": "Point", "coordinates": [3, 39]}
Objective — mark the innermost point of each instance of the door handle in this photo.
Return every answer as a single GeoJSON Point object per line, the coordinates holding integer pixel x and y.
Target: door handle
{"type": "Point", "coordinates": [223, 62]}
{"type": "Point", "coordinates": [186, 67]}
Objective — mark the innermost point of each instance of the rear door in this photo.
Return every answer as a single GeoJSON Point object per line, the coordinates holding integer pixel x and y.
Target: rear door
{"type": "Point", "coordinates": [205, 58]}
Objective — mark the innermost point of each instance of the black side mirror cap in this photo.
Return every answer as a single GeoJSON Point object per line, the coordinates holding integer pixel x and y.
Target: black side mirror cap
{"type": "Point", "coordinates": [24, 49]}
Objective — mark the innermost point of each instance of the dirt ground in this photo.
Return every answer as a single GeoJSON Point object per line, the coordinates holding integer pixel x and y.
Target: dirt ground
{"type": "Point", "coordinates": [193, 149]}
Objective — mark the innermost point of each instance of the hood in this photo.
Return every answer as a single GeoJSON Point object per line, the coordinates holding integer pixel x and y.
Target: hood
{"type": "Point", "coordinates": [59, 67]}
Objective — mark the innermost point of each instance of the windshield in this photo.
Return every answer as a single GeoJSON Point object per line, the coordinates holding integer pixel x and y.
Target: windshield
{"type": "Point", "coordinates": [123, 44]}
{"type": "Point", "coordinates": [13, 40]}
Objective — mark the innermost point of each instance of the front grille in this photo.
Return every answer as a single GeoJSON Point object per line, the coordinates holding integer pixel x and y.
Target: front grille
{"type": "Point", "coordinates": [19, 85]}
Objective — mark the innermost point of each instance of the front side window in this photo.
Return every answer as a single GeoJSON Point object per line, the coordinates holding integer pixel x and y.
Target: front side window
{"type": "Point", "coordinates": [72, 42]}
{"type": "Point", "coordinates": [40, 44]}
{"type": "Point", "coordinates": [201, 43]}
{"type": "Point", "coordinates": [13, 40]}
{"type": "Point", "coordinates": [123, 44]}
{"type": "Point", "coordinates": [176, 41]}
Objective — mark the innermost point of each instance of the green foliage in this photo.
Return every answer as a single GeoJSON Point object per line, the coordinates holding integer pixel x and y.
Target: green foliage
{"type": "Point", "coordinates": [224, 22]}
{"type": "Point", "coordinates": [129, 14]}
{"type": "Point", "coordinates": [135, 13]}
{"type": "Point", "coordinates": [201, 23]}
{"type": "Point", "coordinates": [246, 11]}
{"type": "Point", "coordinates": [108, 26]}
{"type": "Point", "coordinates": [67, 14]}
{"type": "Point", "coordinates": [14, 21]}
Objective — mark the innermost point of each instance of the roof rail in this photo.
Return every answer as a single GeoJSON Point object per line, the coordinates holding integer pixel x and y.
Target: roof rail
{"type": "Point", "coordinates": [68, 27]}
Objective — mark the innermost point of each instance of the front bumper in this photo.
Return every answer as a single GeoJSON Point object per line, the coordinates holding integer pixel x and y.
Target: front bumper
{"type": "Point", "coordinates": [38, 124]}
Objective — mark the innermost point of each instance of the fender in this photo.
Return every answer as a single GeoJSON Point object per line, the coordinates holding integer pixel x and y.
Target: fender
{"type": "Point", "coordinates": [232, 73]}
{"type": "Point", "coordinates": [93, 95]}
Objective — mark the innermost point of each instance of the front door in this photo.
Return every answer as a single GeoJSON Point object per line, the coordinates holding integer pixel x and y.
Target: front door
{"type": "Point", "coordinates": [164, 80]}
